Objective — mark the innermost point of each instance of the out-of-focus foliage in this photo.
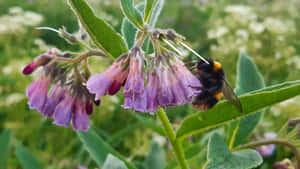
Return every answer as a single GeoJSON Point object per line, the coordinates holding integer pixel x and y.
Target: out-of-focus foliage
{"type": "Point", "coordinates": [219, 29]}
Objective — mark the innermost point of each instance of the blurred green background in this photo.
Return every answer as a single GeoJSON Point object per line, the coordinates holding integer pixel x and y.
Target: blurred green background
{"type": "Point", "coordinates": [220, 29]}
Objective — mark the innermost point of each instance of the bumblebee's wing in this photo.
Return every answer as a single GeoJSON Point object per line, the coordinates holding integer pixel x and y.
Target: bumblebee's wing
{"type": "Point", "coordinates": [230, 96]}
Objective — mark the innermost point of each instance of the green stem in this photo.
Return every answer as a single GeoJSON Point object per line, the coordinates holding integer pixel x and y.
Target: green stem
{"type": "Point", "coordinates": [273, 141]}
{"type": "Point", "coordinates": [176, 144]}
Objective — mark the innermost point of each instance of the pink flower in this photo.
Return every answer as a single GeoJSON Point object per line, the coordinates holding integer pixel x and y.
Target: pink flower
{"type": "Point", "coordinates": [110, 81]}
{"type": "Point", "coordinates": [37, 92]}
{"type": "Point", "coordinates": [134, 95]}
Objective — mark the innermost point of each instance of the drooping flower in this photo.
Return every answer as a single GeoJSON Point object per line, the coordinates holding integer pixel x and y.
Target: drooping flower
{"type": "Point", "coordinates": [76, 105]}
{"type": "Point", "coordinates": [170, 83]}
{"type": "Point", "coordinates": [37, 92]}
{"type": "Point", "coordinates": [63, 111]}
{"type": "Point", "coordinates": [110, 81]}
{"type": "Point", "coordinates": [134, 95]}
{"type": "Point", "coordinates": [151, 91]}
{"type": "Point", "coordinates": [267, 150]}
{"type": "Point", "coordinates": [80, 117]}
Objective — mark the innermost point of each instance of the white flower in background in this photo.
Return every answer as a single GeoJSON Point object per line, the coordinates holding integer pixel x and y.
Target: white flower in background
{"type": "Point", "coordinates": [257, 44]}
{"type": "Point", "coordinates": [256, 27]}
{"type": "Point", "coordinates": [279, 27]}
{"type": "Point", "coordinates": [217, 33]}
{"type": "Point", "coordinates": [295, 60]}
{"type": "Point", "coordinates": [32, 18]}
{"type": "Point", "coordinates": [17, 21]}
{"type": "Point", "coordinates": [242, 33]}
{"type": "Point", "coordinates": [242, 12]}
{"type": "Point", "coordinates": [41, 44]}
{"type": "Point", "coordinates": [238, 9]}
{"type": "Point", "coordinates": [278, 55]}
{"type": "Point", "coordinates": [159, 139]}
{"type": "Point", "coordinates": [15, 10]}
{"type": "Point", "coordinates": [14, 98]}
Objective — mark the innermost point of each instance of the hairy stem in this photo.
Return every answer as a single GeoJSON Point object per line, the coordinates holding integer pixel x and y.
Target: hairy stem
{"type": "Point", "coordinates": [274, 141]}
{"type": "Point", "coordinates": [78, 74]}
{"type": "Point", "coordinates": [79, 58]}
{"type": "Point", "coordinates": [141, 39]}
{"type": "Point", "coordinates": [176, 144]}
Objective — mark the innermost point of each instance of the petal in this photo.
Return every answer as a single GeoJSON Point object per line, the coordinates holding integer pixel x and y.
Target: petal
{"type": "Point", "coordinates": [99, 84]}
{"type": "Point", "coordinates": [139, 102]}
{"type": "Point", "coordinates": [128, 103]}
{"type": "Point", "coordinates": [63, 112]}
{"type": "Point", "coordinates": [37, 93]}
{"type": "Point", "coordinates": [151, 90]}
{"type": "Point", "coordinates": [56, 95]}
{"type": "Point", "coordinates": [80, 119]}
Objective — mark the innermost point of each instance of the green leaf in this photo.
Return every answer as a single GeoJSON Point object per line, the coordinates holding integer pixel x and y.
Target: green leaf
{"type": "Point", "coordinates": [156, 158]}
{"type": "Point", "coordinates": [98, 148]}
{"type": "Point", "coordinates": [4, 147]}
{"type": "Point", "coordinates": [150, 124]}
{"type": "Point", "coordinates": [133, 15]}
{"type": "Point", "coordinates": [129, 31]}
{"type": "Point", "coordinates": [150, 4]}
{"type": "Point", "coordinates": [249, 79]}
{"type": "Point", "coordinates": [27, 160]}
{"type": "Point", "coordinates": [113, 162]}
{"type": "Point", "coordinates": [225, 112]}
{"type": "Point", "coordinates": [220, 157]}
{"type": "Point", "coordinates": [100, 32]}
{"type": "Point", "coordinates": [156, 12]}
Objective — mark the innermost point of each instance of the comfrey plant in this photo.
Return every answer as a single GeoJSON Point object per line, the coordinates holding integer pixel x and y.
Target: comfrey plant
{"type": "Point", "coordinates": [150, 68]}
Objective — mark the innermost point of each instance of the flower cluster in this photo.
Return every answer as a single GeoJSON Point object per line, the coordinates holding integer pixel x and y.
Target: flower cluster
{"type": "Point", "coordinates": [150, 81]}
{"type": "Point", "coordinates": [165, 82]}
{"type": "Point", "coordinates": [67, 100]}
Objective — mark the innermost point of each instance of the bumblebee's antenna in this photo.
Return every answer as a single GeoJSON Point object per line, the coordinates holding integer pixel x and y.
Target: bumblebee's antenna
{"type": "Point", "coordinates": [194, 52]}
{"type": "Point", "coordinates": [172, 46]}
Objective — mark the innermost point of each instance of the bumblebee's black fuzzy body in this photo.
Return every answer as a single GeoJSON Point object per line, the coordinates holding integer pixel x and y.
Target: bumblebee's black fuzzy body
{"type": "Point", "coordinates": [212, 78]}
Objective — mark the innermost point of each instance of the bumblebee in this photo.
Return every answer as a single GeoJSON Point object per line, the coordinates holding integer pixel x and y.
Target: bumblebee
{"type": "Point", "coordinates": [212, 76]}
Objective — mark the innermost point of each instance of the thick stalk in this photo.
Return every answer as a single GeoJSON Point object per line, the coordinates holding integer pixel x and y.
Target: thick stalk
{"type": "Point", "coordinates": [273, 141]}
{"type": "Point", "coordinates": [176, 144]}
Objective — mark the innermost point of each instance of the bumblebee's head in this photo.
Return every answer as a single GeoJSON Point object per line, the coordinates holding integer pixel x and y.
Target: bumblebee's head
{"type": "Point", "coordinates": [213, 66]}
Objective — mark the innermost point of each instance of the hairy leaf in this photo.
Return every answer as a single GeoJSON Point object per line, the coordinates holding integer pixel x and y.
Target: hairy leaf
{"type": "Point", "coordinates": [156, 12]}
{"type": "Point", "coordinates": [150, 4]}
{"type": "Point", "coordinates": [129, 31]}
{"type": "Point", "coordinates": [249, 79]}
{"type": "Point", "coordinates": [133, 15]}
{"type": "Point", "coordinates": [113, 162]}
{"type": "Point", "coordinates": [27, 160]}
{"type": "Point", "coordinates": [220, 157]}
{"type": "Point", "coordinates": [4, 147]}
{"type": "Point", "coordinates": [156, 158]}
{"type": "Point", "coordinates": [98, 148]}
{"type": "Point", "coordinates": [225, 112]}
{"type": "Point", "coordinates": [100, 32]}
